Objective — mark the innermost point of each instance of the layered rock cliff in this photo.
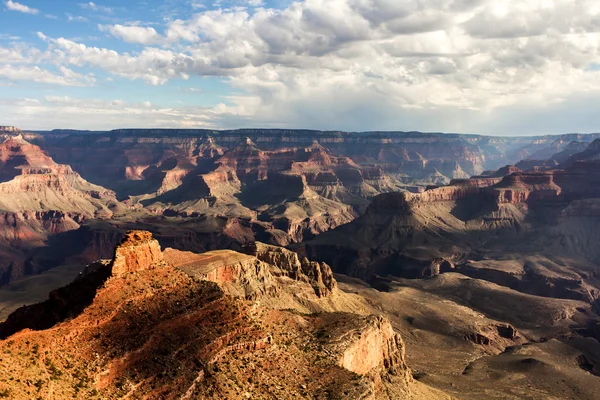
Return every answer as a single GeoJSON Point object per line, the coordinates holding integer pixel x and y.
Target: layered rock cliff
{"type": "Point", "coordinates": [40, 198]}
{"type": "Point", "coordinates": [475, 227]}
{"type": "Point", "coordinates": [137, 326]}
{"type": "Point", "coordinates": [137, 251]}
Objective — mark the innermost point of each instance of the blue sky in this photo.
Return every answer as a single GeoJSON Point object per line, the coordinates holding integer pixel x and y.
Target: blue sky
{"type": "Point", "coordinates": [79, 21]}
{"type": "Point", "coordinates": [473, 66]}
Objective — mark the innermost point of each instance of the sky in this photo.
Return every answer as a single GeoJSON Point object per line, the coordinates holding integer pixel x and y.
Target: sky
{"type": "Point", "coordinates": [472, 66]}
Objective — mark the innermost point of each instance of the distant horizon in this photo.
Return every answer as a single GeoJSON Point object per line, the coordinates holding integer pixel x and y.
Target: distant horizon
{"type": "Point", "coordinates": [302, 129]}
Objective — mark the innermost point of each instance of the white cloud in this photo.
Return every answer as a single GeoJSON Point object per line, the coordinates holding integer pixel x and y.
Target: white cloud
{"type": "Point", "coordinates": [20, 55]}
{"type": "Point", "coordinates": [77, 18]}
{"type": "Point", "coordinates": [67, 112]}
{"type": "Point", "coordinates": [95, 7]}
{"type": "Point", "coordinates": [454, 63]}
{"type": "Point", "coordinates": [133, 34]}
{"type": "Point", "coordinates": [67, 77]}
{"type": "Point", "coordinates": [6, 36]}
{"type": "Point", "coordinates": [14, 6]}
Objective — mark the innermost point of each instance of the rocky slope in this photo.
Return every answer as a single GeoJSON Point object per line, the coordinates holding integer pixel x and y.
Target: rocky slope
{"type": "Point", "coordinates": [557, 153]}
{"type": "Point", "coordinates": [527, 231]}
{"type": "Point", "coordinates": [40, 198]}
{"type": "Point", "coordinates": [295, 191]}
{"type": "Point", "coordinates": [149, 330]}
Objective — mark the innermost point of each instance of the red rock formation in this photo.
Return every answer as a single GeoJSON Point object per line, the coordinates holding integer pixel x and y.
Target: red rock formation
{"type": "Point", "coordinates": [153, 330]}
{"type": "Point", "coordinates": [319, 275]}
{"type": "Point", "coordinates": [39, 198]}
{"type": "Point", "coordinates": [137, 251]}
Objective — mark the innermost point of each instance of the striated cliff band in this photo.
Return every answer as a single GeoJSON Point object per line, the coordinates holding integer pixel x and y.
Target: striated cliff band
{"type": "Point", "coordinates": [201, 190]}
{"type": "Point", "coordinates": [486, 287]}
{"type": "Point", "coordinates": [40, 199]}
{"type": "Point", "coordinates": [217, 325]}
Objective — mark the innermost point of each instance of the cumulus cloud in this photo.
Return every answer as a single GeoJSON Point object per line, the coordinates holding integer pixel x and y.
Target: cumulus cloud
{"type": "Point", "coordinates": [14, 6]}
{"type": "Point", "coordinates": [95, 7]}
{"type": "Point", "coordinates": [352, 63]}
{"type": "Point", "coordinates": [133, 34]}
{"type": "Point", "coordinates": [67, 77]}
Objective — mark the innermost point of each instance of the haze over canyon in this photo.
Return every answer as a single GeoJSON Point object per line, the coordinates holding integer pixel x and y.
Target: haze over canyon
{"type": "Point", "coordinates": [157, 263]}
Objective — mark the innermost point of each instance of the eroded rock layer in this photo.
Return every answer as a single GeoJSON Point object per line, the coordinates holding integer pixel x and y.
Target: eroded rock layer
{"type": "Point", "coordinates": [154, 331]}
{"type": "Point", "coordinates": [530, 231]}
{"type": "Point", "coordinates": [38, 199]}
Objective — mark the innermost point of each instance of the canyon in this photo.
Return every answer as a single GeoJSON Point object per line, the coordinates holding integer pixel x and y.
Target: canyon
{"type": "Point", "coordinates": [184, 263]}
{"type": "Point", "coordinates": [202, 341]}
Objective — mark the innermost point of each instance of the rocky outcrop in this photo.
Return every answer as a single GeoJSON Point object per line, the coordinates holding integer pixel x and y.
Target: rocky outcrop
{"type": "Point", "coordinates": [373, 347]}
{"type": "Point", "coordinates": [493, 335]}
{"type": "Point", "coordinates": [149, 328]}
{"type": "Point", "coordinates": [319, 275]}
{"type": "Point", "coordinates": [402, 202]}
{"type": "Point", "coordinates": [239, 275]}
{"type": "Point", "coordinates": [137, 251]}
{"type": "Point", "coordinates": [257, 273]}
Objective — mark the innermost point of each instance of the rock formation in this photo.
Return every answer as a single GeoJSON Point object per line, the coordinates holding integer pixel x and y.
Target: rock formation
{"type": "Point", "coordinates": [492, 275]}
{"type": "Point", "coordinates": [137, 251]}
{"type": "Point", "coordinates": [465, 224]}
{"type": "Point", "coordinates": [39, 198]}
{"type": "Point", "coordinates": [151, 330]}
{"type": "Point", "coordinates": [279, 187]}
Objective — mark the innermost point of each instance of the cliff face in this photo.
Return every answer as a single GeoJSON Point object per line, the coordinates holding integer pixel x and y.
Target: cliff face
{"type": "Point", "coordinates": [319, 275]}
{"type": "Point", "coordinates": [414, 157]}
{"type": "Point", "coordinates": [277, 186]}
{"type": "Point", "coordinates": [138, 326]}
{"type": "Point", "coordinates": [137, 251]}
{"type": "Point", "coordinates": [475, 227]}
{"type": "Point", "coordinates": [40, 198]}
{"type": "Point", "coordinates": [427, 157]}
{"type": "Point", "coordinates": [375, 346]}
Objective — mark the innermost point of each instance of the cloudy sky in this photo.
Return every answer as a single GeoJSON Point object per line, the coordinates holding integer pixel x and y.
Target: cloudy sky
{"type": "Point", "coordinates": [478, 66]}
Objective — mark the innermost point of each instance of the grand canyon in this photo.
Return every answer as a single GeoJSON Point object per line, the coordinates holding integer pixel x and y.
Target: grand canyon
{"type": "Point", "coordinates": [269, 263]}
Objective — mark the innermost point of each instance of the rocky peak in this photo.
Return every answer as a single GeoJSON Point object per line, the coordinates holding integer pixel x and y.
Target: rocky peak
{"type": "Point", "coordinates": [247, 142]}
{"type": "Point", "coordinates": [316, 146]}
{"type": "Point", "coordinates": [209, 149]}
{"type": "Point", "coordinates": [137, 251]}
{"type": "Point", "coordinates": [594, 146]}
{"type": "Point", "coordinates": [319, 275]}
